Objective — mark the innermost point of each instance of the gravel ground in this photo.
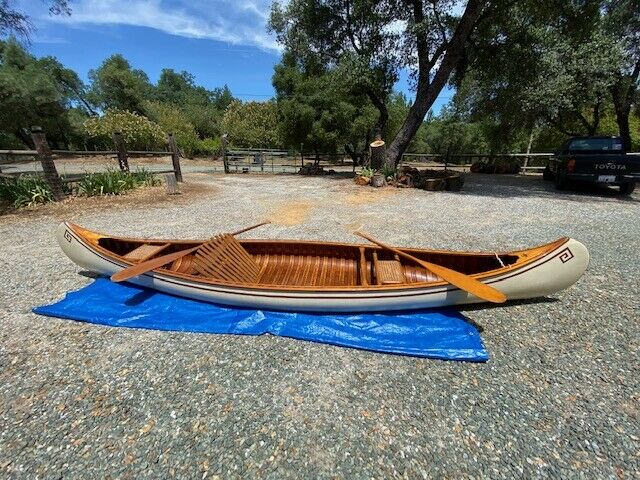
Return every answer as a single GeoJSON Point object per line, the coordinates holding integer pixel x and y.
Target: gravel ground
{"type": "Point", "coordinates": [558, 398]}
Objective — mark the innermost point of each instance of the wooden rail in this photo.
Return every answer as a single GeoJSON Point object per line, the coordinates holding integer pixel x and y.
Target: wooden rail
{"type": "Point", "coordinates": [45, 155]}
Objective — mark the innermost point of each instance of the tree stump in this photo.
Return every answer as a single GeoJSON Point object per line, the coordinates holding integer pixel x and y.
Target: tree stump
{"type": "Point", "coordinates": [377, 154]}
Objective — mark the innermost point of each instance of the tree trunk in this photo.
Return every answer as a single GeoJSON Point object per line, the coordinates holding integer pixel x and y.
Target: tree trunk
{"type": "Point", "coordinates": [622, 93]}
{"type": "Point", "coordinates": [622, 119]}
{"type": "Point", "coordinates": [383, 115]}
{"type": "Point", "coordinates": [427, 91]}
{"type": "Point", "coordinates": [622, 108]}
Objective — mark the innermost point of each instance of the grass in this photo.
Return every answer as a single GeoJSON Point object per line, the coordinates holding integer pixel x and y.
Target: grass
{"type": "Point", "coordinates": [29, 190]}
{"type": "Point", "coordinates": [115, 182]}
{"type": "Point", "coordinates": [26, 190]}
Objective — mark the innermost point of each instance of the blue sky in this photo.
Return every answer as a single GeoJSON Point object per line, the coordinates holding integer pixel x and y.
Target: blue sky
{"type": "Point", "coordinates": [220, 42]}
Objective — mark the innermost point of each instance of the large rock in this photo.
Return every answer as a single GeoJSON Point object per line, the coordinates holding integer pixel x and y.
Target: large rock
{"type": "Point", "coordinates": [378, 181]}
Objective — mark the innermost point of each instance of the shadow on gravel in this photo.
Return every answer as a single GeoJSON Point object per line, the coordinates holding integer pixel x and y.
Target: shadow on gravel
{"type": "Point", "coordinates": [88, 274]}
{"type": "Point", "coordinates": [504, 186]}
{"type": "Point", "coordinates": [489, 306]}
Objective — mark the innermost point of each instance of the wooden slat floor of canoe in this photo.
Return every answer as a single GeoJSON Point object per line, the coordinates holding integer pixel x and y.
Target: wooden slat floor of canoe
{"type": "Point", "coordinates": [308, 270]}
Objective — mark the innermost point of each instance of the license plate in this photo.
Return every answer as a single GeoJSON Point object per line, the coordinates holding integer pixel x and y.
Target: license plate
{"type": "Point", "coordinates": [607, 178]}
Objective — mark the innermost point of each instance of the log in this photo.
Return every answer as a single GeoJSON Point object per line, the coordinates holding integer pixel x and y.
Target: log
{"type": "Point", "coordinates": [360, 180]}
{"type": "Point", "coordinates": [454, 182]}
{"type": "Point", "coordinates": [434, 184]}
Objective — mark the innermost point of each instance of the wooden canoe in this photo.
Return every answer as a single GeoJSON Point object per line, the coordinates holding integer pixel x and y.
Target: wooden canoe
{"type": "Point", "coordinates": [297, 275]}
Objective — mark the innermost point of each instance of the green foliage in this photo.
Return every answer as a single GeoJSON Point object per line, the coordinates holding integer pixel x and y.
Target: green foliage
{"type": "Point", "coordinates": [369, 42]}
{"type": "Point", "coordinates": [209, 146]}
{"type": "Point", "coordinates": [201, 107]}
{"type": "Point", "coordinates": [387, 171]}
{"type": "Point", "coordinates": [367, 172]}
{"type": "Point", "coordinates": [251, 124]}
{"type": "Point", "coordinates": [25, 191]}
{"type": "Point", "coordinates": [538, 65]}
{"type": "Point", "coordinates": [172, 120]}
{"type": "Point", "coordinates": [35, 92]}
{"type": "Point", "coordinates": [115, 85]}
{"type": "Point", "coordinates": [115, 182]}
{"type": "Point", "coordinates": [139, 132]}
{"type": "Point", "coordinates": [317, 109]}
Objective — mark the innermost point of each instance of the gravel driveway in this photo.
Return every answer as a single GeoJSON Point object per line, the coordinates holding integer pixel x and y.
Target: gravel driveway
{"type": "Point", "coordinates": [559, 396]}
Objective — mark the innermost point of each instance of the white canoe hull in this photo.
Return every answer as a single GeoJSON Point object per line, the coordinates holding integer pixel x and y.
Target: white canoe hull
{"type": "Point", "coordinates": [555, 271]}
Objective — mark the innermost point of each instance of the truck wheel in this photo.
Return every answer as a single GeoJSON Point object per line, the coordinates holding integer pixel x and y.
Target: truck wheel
{"type": "Point", "coordinates": [627, 188]}
{"type": "Point", "coordinates": [561, 181]}
{"type": "Point", "coordinates": [546, 174]}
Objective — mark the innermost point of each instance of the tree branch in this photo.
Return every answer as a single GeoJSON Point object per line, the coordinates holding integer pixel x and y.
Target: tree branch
{"type": "Point", "coordinates": [557, 125]}
{"type": "Point", "coordinates": [349, 26]}
{"type": "Point", "coordinates": [436, 15]}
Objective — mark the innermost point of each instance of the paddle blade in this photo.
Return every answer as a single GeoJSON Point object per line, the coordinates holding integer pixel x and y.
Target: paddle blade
{"type": "Point", "coordinates": [458, 279]}
{"type": "Point", "coordinates": [144, 267]}
{"type": "Point", "coordinates": [467, 283]}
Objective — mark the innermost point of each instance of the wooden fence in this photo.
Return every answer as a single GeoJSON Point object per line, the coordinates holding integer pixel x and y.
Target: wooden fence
{"type": "Point", "coordinates": [528, 161]}
{"type": "Point", "coordinates": [282, 161]}
{"type": "Point", "coordinates": [46, 156]}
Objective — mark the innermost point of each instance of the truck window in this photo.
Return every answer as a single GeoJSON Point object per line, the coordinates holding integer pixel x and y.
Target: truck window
{"type": "Point", "coordinates": [596, 145]}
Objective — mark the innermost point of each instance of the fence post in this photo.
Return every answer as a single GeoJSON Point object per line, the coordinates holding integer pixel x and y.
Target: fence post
{"type": "Point", "coordinates": [225, 163]}
{"type": "Point", "coordinates": [48, 166]}
{"type": "Point", "coordinates": [175, 158]}
{"type": "Point", "coordinates": [121, 150]}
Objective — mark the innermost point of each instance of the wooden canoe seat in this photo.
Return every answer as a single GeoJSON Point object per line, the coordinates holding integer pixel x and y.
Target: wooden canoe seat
{"type": "Point", "coordinates": [389, 272]}
{"type": "Point", "coordinates": [145, 252]}
{"type": "Point", "coordinates": [223, 258]}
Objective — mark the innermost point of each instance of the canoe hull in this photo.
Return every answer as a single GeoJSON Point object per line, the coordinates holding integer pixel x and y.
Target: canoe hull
{"type": "Point", "coordinates": [552, 272]}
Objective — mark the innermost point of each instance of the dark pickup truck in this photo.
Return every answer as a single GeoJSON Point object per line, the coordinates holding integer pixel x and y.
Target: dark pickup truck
{"type": "Point", "coordinates": [596, 160]}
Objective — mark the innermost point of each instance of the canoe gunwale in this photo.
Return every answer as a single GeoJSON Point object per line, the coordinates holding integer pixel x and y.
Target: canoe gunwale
{"type": "Point", "coordinates": [89, 240]}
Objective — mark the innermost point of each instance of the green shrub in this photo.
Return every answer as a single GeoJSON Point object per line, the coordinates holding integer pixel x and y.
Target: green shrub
{"type": "Point", "coordinates": [209, 146]}
{"type": "Point", "coordinates": [367, 172]}
{"type": "Point", "coordinates": [251, 124]}
{"type": "Point", "coordinates": [172, 120]}
{"type": "Point", "coordinates": [115, 182]}
{"type": "Point", "coordinates": [139, 132]}
{"type": "Point", "coordinates": [388, 171]}
{"type": "Point", "coordinates": [26, 190]}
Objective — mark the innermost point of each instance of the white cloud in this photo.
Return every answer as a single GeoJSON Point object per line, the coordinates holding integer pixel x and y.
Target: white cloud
{"type": "Point", "coordinates": [240, 22]}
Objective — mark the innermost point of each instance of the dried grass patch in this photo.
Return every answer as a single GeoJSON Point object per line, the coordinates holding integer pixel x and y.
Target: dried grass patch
{"type": "Point", "coordinates": [368, 195]}
{"type": "Point", "coordinates": [291, 213]}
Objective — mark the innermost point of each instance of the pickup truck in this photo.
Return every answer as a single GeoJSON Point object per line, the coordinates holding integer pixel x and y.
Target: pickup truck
{"type": "Point", "coordinates": [601, 160]}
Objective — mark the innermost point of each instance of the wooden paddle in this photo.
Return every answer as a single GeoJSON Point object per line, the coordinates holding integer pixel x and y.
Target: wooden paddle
{"type": "Point", "coordinates": [460, 280]}
{"type": "Point", "coordinates": [144, 267]}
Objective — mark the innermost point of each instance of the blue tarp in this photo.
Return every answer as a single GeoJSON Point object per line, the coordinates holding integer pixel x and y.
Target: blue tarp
{"type": "Point", "coordinates": [443, 334]}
